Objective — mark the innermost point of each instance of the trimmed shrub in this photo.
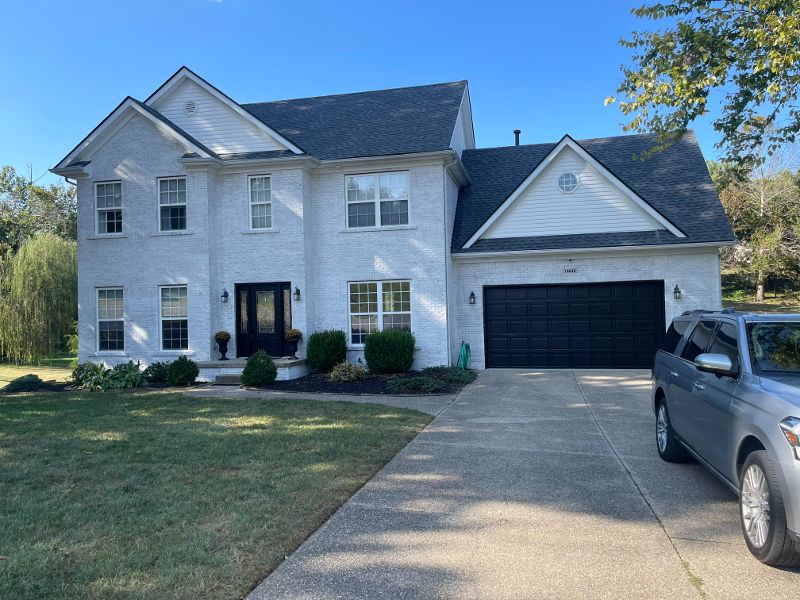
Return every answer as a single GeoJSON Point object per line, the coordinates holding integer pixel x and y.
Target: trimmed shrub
{"type": "Point", "coordinates": [451, 374]}
{"type": "Point", "coordinates": [26, 383]}
{"type": "Point", "coordinates": [182, 371]}
{"type": "Point", "coordinates": [326, 349]}
{"type": "Point", "coordinates": [415, 385]}
{"type": "Point", "coordinates": [156, 372]}
{"type": "Point", "coordinates": [389, 351]}
{"type": "Point", "coordinates": [259, 371]}
{"type": "Point", "coordinates": [348, 371]}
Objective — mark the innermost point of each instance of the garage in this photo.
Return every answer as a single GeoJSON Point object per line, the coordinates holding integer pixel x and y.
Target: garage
{"type": "Point", "coordinates": [610, 325]}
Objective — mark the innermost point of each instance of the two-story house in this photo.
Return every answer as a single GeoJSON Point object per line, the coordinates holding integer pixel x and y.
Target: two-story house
{"type": "Point", "coordinates": [375, 210]}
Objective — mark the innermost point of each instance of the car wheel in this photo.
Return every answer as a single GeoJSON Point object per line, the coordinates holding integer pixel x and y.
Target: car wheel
{"type": "Point", "coordinates": [762, 515]}
{"type": "Point", "coordinates": [669, 448]}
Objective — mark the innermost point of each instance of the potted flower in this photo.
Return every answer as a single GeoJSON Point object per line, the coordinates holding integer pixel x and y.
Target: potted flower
{"type": "Point", "coordinates": [222, 338]}
{"type": "Point", "coordinates": [292, 338]}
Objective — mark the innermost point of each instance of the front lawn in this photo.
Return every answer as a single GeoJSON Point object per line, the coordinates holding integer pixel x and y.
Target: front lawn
{"type": "Point", "coordinates": [58, 368]}
{"type": "Point", "coordinates": [155, 495]}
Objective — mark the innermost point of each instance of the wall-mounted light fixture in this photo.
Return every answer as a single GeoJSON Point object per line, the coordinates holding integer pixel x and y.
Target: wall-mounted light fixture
{"type": "Point", "coordinates": [472, 297]}
{"type": "Point", "coordinates": [296, 294]}
{"type": "Point", "coordinates": [676, 293]}
{"type": "Point", "coordinates": [224, 296]}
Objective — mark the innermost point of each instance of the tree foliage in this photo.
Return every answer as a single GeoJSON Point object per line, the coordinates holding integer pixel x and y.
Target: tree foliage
{"type": "Point", "coordinates": [743, 53]}
{"type": "Point", "coordinates": [38, 298]}
{"type": "Point", "coordinates": [28, 209]}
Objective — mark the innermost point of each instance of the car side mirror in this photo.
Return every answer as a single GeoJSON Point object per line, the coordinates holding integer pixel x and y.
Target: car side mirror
{"type": "Point", "coordinates": [714, 363]}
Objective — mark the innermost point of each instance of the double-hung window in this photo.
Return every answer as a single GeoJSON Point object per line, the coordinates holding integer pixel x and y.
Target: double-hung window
{"type": "Point", "coordinates": [260, 202]}
{"type": "Point", "coordinates": [377, 199]}
{"type": "Point", "coordinates": [108, 201]}
{"type": "Point", "coordinates": [172, 203]}
{"type": "Point", "coordinates": [110, 320]}
{"type": "Point", "coordinates": [378, 305]}
{"type": "Point", "coordinates": [174, 318]}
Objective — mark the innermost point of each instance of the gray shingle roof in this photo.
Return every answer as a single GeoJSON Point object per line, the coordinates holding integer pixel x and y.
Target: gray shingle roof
{"type": "Point", "coordinates": [377, 123]}
{"type": "Point", "coordinates": [675, 182]}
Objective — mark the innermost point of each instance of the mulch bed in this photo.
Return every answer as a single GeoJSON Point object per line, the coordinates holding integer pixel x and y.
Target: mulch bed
{"type": "Point", "coordinates": [319, 382]}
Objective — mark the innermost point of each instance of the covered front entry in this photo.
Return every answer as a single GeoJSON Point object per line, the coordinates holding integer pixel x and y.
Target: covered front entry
{"type": "Point", "coordinates": [616, 325]}
{"type": "Point", "coordinates": [263, 315]}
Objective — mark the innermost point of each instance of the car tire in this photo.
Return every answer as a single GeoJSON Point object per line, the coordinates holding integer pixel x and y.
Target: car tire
{"type": "Point", "coordinates": [669, 448]}
{"type": "Point", "coordinates": [767, 539]}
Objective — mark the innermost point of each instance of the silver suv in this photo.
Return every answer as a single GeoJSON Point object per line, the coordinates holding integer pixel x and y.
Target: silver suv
{"type": "Point", "coordinates": [727, 392]}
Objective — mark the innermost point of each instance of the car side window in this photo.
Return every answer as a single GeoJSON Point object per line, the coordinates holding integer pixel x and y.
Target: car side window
{"type": "Point", "coordinates": [725, 342]}
{"type": "Point", "coordinates": [699, 340]}
{"type": "Point", "coordinates": [673, 336]}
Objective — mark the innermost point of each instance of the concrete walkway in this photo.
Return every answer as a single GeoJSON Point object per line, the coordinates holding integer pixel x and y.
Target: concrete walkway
{"type": "Point", "coordinates": [432, 405]}
{"type": "Point", "coordinates": [533, 484]}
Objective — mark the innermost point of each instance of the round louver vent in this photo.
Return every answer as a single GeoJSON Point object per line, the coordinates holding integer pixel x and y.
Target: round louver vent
{"type": "Point", "coordinates": [190, 108]}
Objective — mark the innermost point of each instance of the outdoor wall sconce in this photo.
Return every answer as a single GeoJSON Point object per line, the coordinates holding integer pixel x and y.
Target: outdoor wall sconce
{"type": "Point", "coordinates": [296, 294]}
{"type": "Point", "coordinates": [472, 297]}
{"type": "Point", "coordinates": [224, 296]}
{"type": "Point", "coordinates": [676, 293]}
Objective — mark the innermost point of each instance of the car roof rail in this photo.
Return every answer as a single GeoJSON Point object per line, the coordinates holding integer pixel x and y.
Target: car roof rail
{"type": "Point", "coordinates": [696, 311]}
{"type": "Point", "coordinates": [729, 310]}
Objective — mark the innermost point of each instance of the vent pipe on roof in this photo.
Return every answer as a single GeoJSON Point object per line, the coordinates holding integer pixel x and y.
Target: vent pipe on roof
{"type": "Point", "coordinates": [516, 136]}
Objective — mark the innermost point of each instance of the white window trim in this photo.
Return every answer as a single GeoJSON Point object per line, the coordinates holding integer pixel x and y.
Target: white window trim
{"type": "Point", "coordinates": [99, 320]}
{"type": "Point", "coordinates": [158, 202]}
{"type": "Point", "coordinates": [250, 204]}
{"type": "Point", "coordinates": [376, 201]}
{"type": "Point", "coordinates": [577, 183]}
{"type": "Point", "coordinates": [162, 318]}
{"type": "Point", "coordinates": [380, 313]}
{"type": "Point", "coordinates": [97, 210]}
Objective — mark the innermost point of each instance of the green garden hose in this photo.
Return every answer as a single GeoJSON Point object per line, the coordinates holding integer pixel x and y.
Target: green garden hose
{"type": "Point", "coordinates": [464, 356]}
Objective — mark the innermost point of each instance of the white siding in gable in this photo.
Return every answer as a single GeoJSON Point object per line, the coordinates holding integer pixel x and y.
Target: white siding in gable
{"type": "Point", "coordinates": [457, 142]}
{"type": "Point", "coordinates": [462, 133]}
{"type": "Point", "coordinates": [596, 206]}
{"type": "Point", "coordinates": [213, 123]}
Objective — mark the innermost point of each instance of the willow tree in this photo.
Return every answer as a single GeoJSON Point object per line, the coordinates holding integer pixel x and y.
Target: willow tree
{"type": "Point", "coordinates": [38, 298]}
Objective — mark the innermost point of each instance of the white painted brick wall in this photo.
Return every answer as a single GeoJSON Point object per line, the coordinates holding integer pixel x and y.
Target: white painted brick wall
{"type": "Point", "coordinates": [695, 271]}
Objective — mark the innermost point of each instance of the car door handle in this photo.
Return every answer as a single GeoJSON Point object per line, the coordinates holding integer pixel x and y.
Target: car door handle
{"type": "Point", "coordinates": [698, 386]}
{"type": "Point", "coordinates": [673, 373]}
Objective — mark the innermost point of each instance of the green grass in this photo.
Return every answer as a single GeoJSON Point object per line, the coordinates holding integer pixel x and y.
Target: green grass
{"type": "Point", "coordinates": [156, 495]}
{"type": "Point", "coordinates": [57, 368]}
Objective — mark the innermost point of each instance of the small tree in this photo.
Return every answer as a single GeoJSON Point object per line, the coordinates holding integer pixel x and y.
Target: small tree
{"type": "Point", "coordinates": [38, 298]}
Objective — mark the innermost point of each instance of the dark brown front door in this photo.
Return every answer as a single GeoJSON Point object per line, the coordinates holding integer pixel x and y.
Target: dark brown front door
{"type": "Point", "coordinates": [263, 314]}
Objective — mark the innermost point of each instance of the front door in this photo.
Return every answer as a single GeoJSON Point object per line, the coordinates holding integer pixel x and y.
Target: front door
{"type": "Point", "coordinates": [263, 314]}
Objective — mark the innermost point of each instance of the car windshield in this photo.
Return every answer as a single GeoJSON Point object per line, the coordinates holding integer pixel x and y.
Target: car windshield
{"type": "Point", "coordinates": [775, 345]}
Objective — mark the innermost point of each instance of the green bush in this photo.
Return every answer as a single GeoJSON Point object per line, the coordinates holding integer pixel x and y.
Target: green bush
{"type": "Point", "coordinates": [156, 372]}
{"type": "Point", "coordinates": [389, 351]}
{"type": "Point", "coordinates": [95, 376]}
{"type": "Point", "coordinates": [347, 371]}
{"type": "Point", "coordinates": [451, 374]}
{"type": "Point", "coordinates": [259, 371]}
{"type": "Point", "coordinates": [326, 349]}
{"type": "Point", "coordinates": [182, 371]}
{"type": "Point", "coordinates": [26, 383]}
{"type": "Point", "coordinates": [415, 385]}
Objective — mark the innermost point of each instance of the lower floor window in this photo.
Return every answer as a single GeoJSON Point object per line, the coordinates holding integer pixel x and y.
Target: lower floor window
{"type": "Point", "coordinates": [378, 305]}
{"type": "Point", "coordinates": [174, 318]}
{"type": "Point", "coordinates": [110, 320]}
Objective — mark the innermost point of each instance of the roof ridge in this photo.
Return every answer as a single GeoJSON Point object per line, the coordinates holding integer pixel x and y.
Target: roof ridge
{"type": "Point", "coordinates": [578, 141]}
{"type": "Point", "coordinates": [392, 89]}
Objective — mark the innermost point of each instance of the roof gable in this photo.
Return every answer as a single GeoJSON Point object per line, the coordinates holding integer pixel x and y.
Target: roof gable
{"type": "Point", "coordinates": [218, 120]}
{"type": "Point", "coordinates": [675, 183]}
{"type": "Point", "coordinates": [595, 206]}
{"type": "Point", "coordinates": [116, 119]}
{"type": "Point", "coordinates": [376, 123]}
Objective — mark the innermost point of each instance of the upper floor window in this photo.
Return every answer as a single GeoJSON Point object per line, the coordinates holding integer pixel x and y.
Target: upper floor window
{"type": "Point", "coordinates": [172, 203]}
{"type": "Point", "coordinates": [260, 202]}
{"type": "Point", "coordinates": [110, 320]}
{"type": "Point", "coordinates": [377, 199]}
{"type": "Point", "coordinates": [568, 182]}
{"type": "Point", "coordinates": [108, 200]}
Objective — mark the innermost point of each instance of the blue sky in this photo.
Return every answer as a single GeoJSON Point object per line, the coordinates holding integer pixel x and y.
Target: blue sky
{"type": "Point", "coordinates": [543, 67]}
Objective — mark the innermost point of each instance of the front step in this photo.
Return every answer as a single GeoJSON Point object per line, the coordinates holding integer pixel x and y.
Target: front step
{"type": "Point", "coordinates": [228, 380]}
{"type": "Point", "coordinates": [229, 372]}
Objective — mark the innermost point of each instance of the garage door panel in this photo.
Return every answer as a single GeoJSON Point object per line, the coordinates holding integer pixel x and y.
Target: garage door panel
{"type": "Point", "coordinates": [582, 325]}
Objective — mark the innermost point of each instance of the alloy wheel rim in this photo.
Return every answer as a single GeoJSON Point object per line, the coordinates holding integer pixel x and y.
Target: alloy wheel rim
{"type": "Point", "coordinates": [755, 506]}
{"type": "Point", "coordinates": [662, 428]}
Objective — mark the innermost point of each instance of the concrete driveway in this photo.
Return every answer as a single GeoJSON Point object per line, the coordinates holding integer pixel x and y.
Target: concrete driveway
{"type": "Point", "coordinates": [534, 484]}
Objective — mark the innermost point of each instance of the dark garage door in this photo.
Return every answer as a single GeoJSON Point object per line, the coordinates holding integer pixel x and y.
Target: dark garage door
{"type": "Point", "coordinates": [588, 325]}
